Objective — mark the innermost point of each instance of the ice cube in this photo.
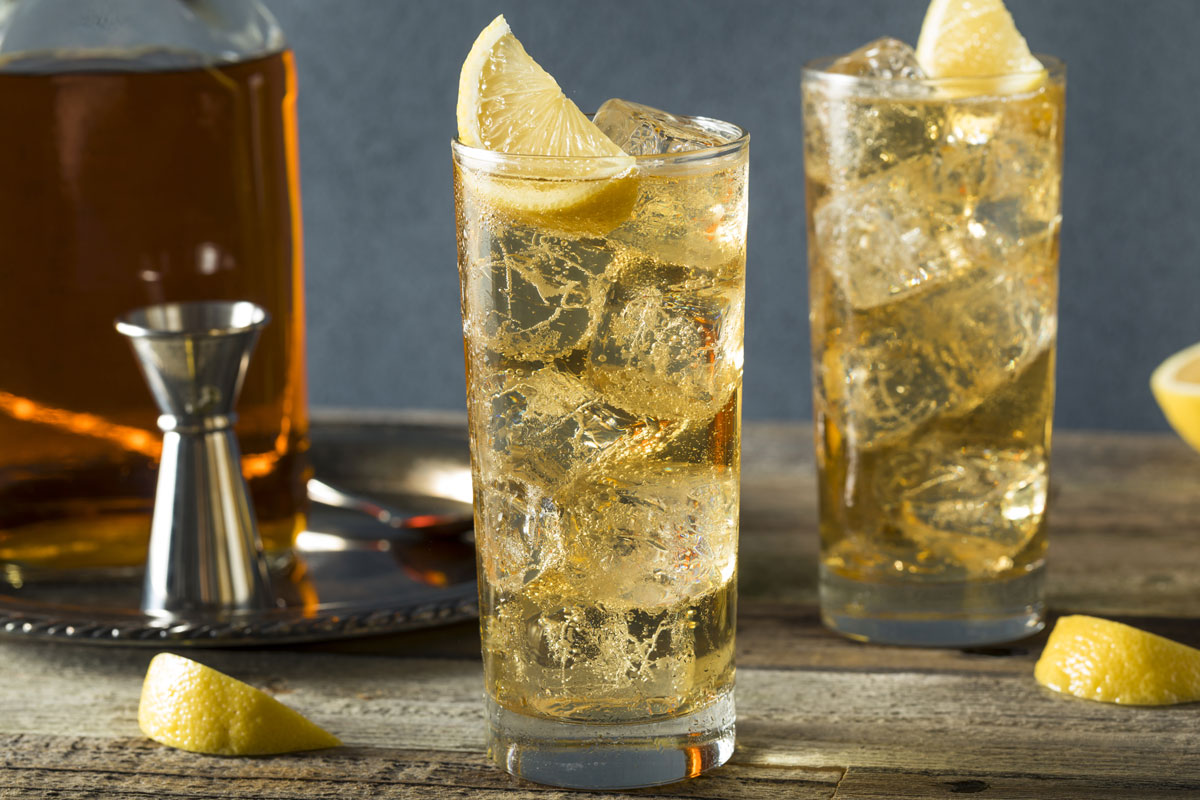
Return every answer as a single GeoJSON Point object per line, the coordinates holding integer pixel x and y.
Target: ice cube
{"type": "Point", "coordinates": [879, 387]}
{"type": "Point", "coordinates": [851, 133]}
{"type": "Point", "coordinates": [942, 352]}
{"type": "Point", "coordinates": [1015, 179]}
{"type": "Point", "coordinates": [971, 506]}
{"type": "Point", "coordinates": [665, 350]}
{"type": "Point", "coordinates": [653, 535]}
{"type": "Point", "coordinates": [886, 58]}
{"type": "Point", "coordinates": [524, 533]}
{"type": "Point", "coordinates": [649, 553]}
{"type": "Point", "coordinates": [588, 650]}
{"type": "Point", "coordinates": [890, 235]}
{"type": "Point", "coordinates": [697, 220]}
{"type": "Point", "coordinates": [533, 295]}
{"type": "Point", "coordinates": [544, 423]}
{"type": "Point", "coordinates": [847, 139]}
{"type": "Point", "coordinates": [933, 216]}
{"type": "Point", "coordinates": [641, 130]}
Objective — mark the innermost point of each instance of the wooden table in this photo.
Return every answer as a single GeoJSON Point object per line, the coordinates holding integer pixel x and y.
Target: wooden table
{"type": "Point", "coordinates": [819, 716]}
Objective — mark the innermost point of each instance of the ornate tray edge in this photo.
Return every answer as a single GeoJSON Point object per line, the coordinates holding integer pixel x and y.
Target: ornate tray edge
{"type": "Point", "coordinates": [324, 626]}
{"type": "Point", "coordinates": [38, 622]}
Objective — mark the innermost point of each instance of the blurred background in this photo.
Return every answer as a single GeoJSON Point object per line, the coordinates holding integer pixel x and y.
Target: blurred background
{"type": "Point", "coordinates": [378, 86]}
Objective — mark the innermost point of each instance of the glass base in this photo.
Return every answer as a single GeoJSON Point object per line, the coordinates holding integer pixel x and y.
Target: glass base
{"type": "Point", "coordinates": [954, 614]}
{"type": "Point", "coordinates": [615, 756]}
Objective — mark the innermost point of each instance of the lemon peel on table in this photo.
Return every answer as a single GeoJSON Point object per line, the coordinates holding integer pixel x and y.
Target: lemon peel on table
{"type": "Point", "coordinates": [1176, 387]}
{"type": "Point", "coordinates": [966, 39]}
{"type": "Point", "coordinates": [508, 104]}
{"type": "Point", "coordinates": [1098, 659]}
{"type": "Point", "coordinates": [192, 707]}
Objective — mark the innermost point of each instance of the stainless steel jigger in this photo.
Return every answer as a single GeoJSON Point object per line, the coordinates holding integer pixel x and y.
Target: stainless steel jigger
{"type": "Point", "coordinates": [205, 556]}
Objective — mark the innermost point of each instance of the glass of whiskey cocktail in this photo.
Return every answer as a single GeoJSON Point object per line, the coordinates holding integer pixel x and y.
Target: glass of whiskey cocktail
{"type": "Point", "coordinates": [603, 305]}
{"type": "Point", "coordinates": [933, 216]}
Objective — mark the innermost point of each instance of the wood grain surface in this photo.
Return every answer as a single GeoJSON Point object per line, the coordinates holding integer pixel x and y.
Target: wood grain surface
{"type": "Point", "coordinates": [818, 716]}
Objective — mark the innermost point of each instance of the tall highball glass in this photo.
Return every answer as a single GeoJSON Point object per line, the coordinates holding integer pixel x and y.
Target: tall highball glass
{"type": "Point", "coordinates": [933, 220]}
{"type": "Point", "coordinates": [602, 303]}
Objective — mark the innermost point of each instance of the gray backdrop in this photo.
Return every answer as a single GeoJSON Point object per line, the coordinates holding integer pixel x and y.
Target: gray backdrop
{"type": "Point", "coordinates": [378, 84]}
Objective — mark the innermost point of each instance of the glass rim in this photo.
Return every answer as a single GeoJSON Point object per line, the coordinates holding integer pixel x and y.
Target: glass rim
{"type": "Point", "coordinates": [683, 157]}
{"type": "Point", "coordinates": [815, 70]}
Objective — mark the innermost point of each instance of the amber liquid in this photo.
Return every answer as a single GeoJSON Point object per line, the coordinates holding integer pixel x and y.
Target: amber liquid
{"type": "Point", "coordinates": [124, 187]}
{"type": "Point", "coordinates": [934, 285]}
{"type": "Point", "coordinates": [604, 375]}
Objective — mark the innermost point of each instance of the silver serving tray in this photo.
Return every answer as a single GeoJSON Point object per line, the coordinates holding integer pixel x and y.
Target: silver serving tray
{"type": "Point", "coordinates": [352, 575]}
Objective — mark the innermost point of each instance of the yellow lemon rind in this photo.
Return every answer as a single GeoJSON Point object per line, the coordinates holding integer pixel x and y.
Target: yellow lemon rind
{"type": "Point", "coordinates": [1106, 661]}
{"type": "Point", "coordinates": [191, 707]}
{"type": "Point", "coordinates": [594, 207]}
{"type": "Point", "coordinates": [468, 80]}
{"type": "Point", "coordinates": [532, 117]}
{"type": "Point", "coordinates": [959, 47]}
{"type": "Point", "coordinates": [537, 159]}
{"type": "Point", "coordinates": [1179, 400]}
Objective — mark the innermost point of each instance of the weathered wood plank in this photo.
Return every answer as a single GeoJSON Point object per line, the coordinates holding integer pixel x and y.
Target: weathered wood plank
{"type": "Point", "coordinates": [983, 723]}
{"type": "Point", "coordinates": [875, 784]}
{"type": "Point", "coordinates": [819, 716]}
{"type": "Point", "coordinates": [781, 636]}
{"type": "Point", "coordinates": [906, 720]}
{"type": "Point", "coordinates": [126, 766]}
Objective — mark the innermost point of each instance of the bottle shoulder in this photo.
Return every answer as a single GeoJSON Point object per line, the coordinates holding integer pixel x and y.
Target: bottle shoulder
{"type": "Point", "coordinates": [134, 34]}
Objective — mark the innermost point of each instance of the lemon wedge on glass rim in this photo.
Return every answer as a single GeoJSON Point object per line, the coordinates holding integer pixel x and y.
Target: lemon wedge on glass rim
{"type": "Point", "coordinates": [1176, 386]}
{"type": "Point", "coordinates": [974, 42]}
{"type": "Point", "coordinates": [509, 105]}
{"type": "Point", "coordinates": [192, 707]}
{"type": "Point", "coordinates": [1098, 659]}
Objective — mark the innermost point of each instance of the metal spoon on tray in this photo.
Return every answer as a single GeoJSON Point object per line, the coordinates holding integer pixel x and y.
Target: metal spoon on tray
{"type": "Point", "coordinates": [432, 525]}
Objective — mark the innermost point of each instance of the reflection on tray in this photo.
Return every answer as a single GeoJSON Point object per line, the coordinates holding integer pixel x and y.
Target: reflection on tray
{"type": "Point", "coordinates": [351, 576]}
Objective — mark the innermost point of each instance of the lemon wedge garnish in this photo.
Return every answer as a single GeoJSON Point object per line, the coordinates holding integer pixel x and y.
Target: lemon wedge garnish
{"type": "Point", "coordinates": [1098, 659]}
{"type": "Point", "coordinates": [508, 104]}
{"type": "Point", "coordinates": [193, 707]}
{"type": "Point", "coordinates": [1176, 386]}
{"type": "Point", "coordinates": [978, 39]}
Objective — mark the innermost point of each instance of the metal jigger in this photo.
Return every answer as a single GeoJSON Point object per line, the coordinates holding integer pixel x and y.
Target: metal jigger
{"type": "Point", "coordinates": [205, 555]}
